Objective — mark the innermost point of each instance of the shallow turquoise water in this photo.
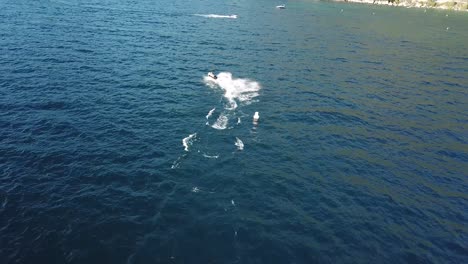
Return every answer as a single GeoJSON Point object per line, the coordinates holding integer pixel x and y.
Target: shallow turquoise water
{"type": "Point", "coordinates": [360, 154]}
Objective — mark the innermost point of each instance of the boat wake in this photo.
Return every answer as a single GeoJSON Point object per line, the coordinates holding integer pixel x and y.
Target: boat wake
{"type": "Point", "coordinates": [236, 92]}
{"type": "Point", "coordinates": [217, 16]}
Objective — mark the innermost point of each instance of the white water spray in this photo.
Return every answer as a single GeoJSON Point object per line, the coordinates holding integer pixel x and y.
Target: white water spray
{"type": "Point", "coordinates": [235, 89]}
{"type": "Point", "coordinates": [188, 141]}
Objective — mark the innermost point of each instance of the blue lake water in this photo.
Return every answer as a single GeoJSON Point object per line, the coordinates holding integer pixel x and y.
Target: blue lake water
{"type": "Point", "coordinates": [116, 148]}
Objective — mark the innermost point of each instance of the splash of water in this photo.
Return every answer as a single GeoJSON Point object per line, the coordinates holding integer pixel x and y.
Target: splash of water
{"type": "Point", "coordinates": [235, 89]}
{"type": "Point", "coordinates": [188, 141]}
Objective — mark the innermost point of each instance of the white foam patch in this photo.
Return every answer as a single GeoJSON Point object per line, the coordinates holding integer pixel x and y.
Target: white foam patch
{"type": "Point", "coordinates": [188, 141]}
{"type": "Point", "coordinates": [221, 122]}
{"type": "Point", "coordinates": [210, 156]}
{"type": "Point", "coordinates": [232, 104]}
{"type": "Point", "coordinates": [217, 16]}
{"type": "Point", "coordinates": [235, 89]}
{"type": "Point", "coordinates": [209, 81]}
{"type": "Point", "coordinates": [239, 144]}
{"type": "Point", "coordinates": [210, 113]}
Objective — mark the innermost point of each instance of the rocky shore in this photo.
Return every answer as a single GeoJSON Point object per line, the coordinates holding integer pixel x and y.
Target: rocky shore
{"type": "Point", "coordinates": [459, 5]}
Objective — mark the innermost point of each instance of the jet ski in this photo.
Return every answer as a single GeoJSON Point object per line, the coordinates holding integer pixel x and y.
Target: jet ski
{"type": "Point", "coordinates": [212, 75]}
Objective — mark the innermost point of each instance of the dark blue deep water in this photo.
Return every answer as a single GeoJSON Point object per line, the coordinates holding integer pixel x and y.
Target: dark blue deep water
{"type": "Point", "coordinates": [360, 154]}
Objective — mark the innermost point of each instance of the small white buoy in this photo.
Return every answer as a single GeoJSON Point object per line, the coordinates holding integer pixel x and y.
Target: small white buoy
{"type": "Point", "coordinates": [256, 117]}
{"type": "Point", "coordinates": [448, 28]}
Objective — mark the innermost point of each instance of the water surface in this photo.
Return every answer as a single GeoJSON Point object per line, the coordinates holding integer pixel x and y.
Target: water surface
{"type": "Point", "coordinates": [360, 154]}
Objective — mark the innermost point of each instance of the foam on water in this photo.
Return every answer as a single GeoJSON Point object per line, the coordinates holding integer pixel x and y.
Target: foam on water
{"type": "Point", "coordinates": [210, 113]}
{"type": "Point", "coordinates": [210, 156]}
{"type": "Point", "coordinates": [217, 16]}
{"type": "Point", "coordinates": [221, 122]}
{"type": "Point", "coordinates": [239, 144]}
{"type": "Point", "coordinates": [188, 141]}
{"type": "Point", "coordinates": [209, 81]}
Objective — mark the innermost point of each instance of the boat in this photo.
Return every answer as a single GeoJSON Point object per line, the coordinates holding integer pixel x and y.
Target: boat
{"type": "Point", "coordinates": [281, 6]}
{"type": "Point", "coordinates": [212, 75]}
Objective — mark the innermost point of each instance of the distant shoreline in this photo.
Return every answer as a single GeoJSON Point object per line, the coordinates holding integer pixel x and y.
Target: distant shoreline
{"type": "Point", "coordinates": [460, 5]}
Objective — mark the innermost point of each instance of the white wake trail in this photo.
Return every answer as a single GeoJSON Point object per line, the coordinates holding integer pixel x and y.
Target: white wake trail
{"type": "Point", "coordinates": [216, 16]}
